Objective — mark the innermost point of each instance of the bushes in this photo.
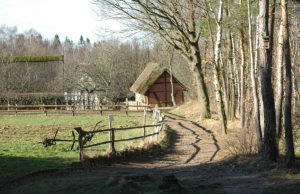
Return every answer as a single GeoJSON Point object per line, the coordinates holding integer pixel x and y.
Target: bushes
{"type": "Point", "coordinates": [242, 142]}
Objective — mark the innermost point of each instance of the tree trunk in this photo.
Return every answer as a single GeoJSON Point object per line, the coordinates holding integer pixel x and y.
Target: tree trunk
{"type": "Point", "coordinates": [242, 85]}
{"type": "Point", "coordinates": [219, 99]}
{"type": "Point", "coordinates": [270, 150]}
{"type": "Point", "coordinates": [200, 84]}
{"type": "Point", "coordinates": [290, 153]}
{"type": "Point", "coordinates": [256, 115]}
{"type": "Point", "coordinates": [279, 81]}
{"type": "Point", "coordinates": [171, 52]}
{"type": "Point", "coordinates": [231, 109]}
{"type": "Point", "coordinates": [236, 74]}
{"type": "Point", "coordinates": [223, 81]}
{"type": "Point", "coordinates": [260, 105]}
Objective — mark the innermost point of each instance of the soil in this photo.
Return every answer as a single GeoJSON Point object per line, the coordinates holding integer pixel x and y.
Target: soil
{"type": "Point", "coordinates": [195, 160]}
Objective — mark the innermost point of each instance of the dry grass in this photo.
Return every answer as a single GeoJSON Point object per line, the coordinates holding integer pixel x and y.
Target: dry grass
{"type": "Point", "coordinates": [238, 141]}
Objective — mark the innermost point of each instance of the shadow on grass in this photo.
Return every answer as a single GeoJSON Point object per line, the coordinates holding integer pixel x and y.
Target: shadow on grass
{"type": "Point", "coordinates": [18, 168]}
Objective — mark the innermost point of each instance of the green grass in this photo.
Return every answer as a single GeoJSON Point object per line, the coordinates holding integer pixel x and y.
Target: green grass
{"type": "Point", "coordinates": [22, 153]}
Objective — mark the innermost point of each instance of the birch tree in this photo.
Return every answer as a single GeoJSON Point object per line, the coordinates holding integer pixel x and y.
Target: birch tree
{"type": "Point", "coordinates": [242, 72]}
{"type": "Point", "coordinates": [219, 99]}
{"type": "Point", "coordinates": [256, 115]}
{"type": "Point", "coordinates": [279, 78]}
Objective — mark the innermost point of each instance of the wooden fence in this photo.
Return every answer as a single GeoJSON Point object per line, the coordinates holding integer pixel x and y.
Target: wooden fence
{"type": "Point", "coordinates": [85, 136]}
{"type": "Point", "coordinates": [72, 108]}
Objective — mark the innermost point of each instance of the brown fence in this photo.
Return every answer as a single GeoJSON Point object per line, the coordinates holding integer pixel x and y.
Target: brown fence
{"type": "Point", "coordinates": [72, 108]}
{"type": "Point", "coordinates": [157, 126]}
{"type": "Point", "coordinates": [86, 136]}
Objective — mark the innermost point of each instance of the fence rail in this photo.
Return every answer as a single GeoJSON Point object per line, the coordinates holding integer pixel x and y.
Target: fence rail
{"type": "Point", "coordinates": [72, 108]}
{"type": "Point", "coordinates": [157, 128]}
{"type": "Point", "coordinates": [86, 136]}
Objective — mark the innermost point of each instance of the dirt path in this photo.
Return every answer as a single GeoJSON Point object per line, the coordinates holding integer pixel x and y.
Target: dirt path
{"type": "Point", "coordinates": [193, 145]}
{"type": "Point", "coordinates": [191, 160]}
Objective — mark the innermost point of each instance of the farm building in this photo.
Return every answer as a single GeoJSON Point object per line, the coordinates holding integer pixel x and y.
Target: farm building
{"type": "Point", "coordinates": [153, 86]}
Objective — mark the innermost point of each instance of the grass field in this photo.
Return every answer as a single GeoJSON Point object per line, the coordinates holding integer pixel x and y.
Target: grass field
{"type": "Point", "coordinates": [22, 153]}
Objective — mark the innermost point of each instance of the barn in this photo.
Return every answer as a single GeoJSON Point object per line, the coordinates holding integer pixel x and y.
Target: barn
{"type": "Point", "coordinates": [153, 86]}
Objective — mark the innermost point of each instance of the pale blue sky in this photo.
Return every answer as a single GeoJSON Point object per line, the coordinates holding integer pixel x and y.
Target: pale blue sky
{"type": "Point", "coordinates": [49, 17]}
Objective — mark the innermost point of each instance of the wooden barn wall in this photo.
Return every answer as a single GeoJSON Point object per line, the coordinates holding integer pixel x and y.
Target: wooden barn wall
{"type": "Point", "coordinates": [160, 92]}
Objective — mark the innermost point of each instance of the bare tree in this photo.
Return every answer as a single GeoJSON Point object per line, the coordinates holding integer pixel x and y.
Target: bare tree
{"type": "Point", "coordinates": [176, 22]}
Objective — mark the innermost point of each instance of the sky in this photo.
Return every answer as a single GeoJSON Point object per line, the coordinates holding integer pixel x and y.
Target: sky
{"type": "Point", "coordinates": [70, 18]}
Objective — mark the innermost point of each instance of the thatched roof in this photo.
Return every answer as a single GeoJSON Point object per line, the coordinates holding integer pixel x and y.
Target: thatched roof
{"type": "Point", "coordinates": [17, 59]}
{"type": "Point", "coordinates": [150, 74]}
{"type": "Point", "coordinates": [147, 78]}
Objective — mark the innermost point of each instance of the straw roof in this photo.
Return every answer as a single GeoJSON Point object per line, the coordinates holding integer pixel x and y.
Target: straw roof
{"type": "Point", "coordinates": [150, 74]}
{"type": "Point", "coordinates": [147, 78]}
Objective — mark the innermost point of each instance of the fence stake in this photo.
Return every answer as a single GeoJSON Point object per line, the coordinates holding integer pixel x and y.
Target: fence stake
{"type": "Point", "coordinates": [145, 113]}
{"type": "Point", "coordinates": [45, 111]}
{"type": "Point", "coordinates": [80, 146]}
{"type": "Point", "coordinates": [157, 127]}
{"type": "Point", "coordinates": [73, 109]}
{"type": "Point", "coordinates": [16, 110]}
{"type": "Point", "coordinates": [101, 110]}
{"type": "Point", "coordinates": [112, 135]}
{"type": "Point", "coordinates": [127, 107]}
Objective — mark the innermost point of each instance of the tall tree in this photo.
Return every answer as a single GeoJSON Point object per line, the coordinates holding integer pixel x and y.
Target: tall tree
{"type": "Point", "coordinates": [270, 150]}
{"type": "Point", "coordinates": [242, 70]}
{"type": "Point", "coordinates": [171, 54]}
{"type": "Point", "coordinates": [219, 98]}
{"type": "Point", "coordinates": [256, 115]}
{"type": "Point", "coordinates": [176, 22]}
{"type": "Point", "coordinates": [289, 141]}
{"type": "Point", "coordinates": [279, 78]}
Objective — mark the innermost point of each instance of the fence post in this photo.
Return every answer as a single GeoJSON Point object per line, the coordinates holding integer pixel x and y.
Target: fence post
{"type": "Point", "coordinates": [45, 111]}
{"type": "Point", "coordinates": [145, 113]}
{"type": "Point", "coordinates": [154, 119]}
{"type": "Point", "coordinates": [73, 109]}
{"type": "Point", "coordinates": [156, 122]}
{"type": "Point", "coordinates": [80, 146]}
{"type": "Point", "coordinates": [160, 120]}
{"type": "Point", "coordinates": [112, 135]}
{"type": "Point", "coordinates": [16, 109]}
{"type": "Point", "coordinates": [127, 107]}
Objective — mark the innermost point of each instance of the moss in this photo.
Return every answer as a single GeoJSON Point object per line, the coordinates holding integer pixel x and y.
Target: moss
{"type": "Point", "coordinates": [17, 59]}
{"type": "Point", "coordinates": [152, 78]}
